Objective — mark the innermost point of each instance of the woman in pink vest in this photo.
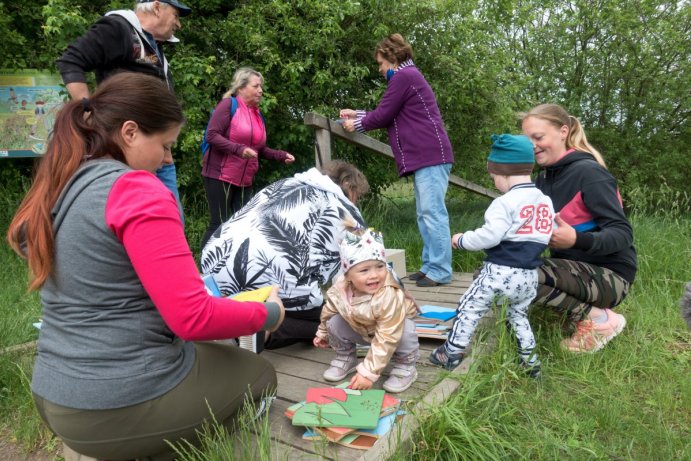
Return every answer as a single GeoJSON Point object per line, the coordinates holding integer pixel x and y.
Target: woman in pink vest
{"type": "Point", "coordinates": [237, 138]}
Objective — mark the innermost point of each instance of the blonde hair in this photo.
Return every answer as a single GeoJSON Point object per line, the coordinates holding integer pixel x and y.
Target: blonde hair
{"type": "Point", "coordinates": [394, 49]}
{"type": "Point", "coordinates": [241, 79]}
{"type": "Point", "coordinates": [558, 117]}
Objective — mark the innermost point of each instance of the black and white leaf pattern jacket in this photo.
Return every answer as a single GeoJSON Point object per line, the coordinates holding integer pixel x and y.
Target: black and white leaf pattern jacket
{"type": "Point", "coordinates": [287, 235]}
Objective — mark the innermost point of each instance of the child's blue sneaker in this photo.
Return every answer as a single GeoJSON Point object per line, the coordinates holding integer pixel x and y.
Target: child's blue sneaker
{"type": "Point", "coordinates": [440, 356]}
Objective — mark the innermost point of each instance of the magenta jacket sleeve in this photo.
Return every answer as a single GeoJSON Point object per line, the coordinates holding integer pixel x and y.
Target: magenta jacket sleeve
{"type": "Point", "coordinates": [144, 216]}
{"type": "Point", "coordinates": [219, 126]}
{"type": "Point", "coordinates": [273, 154]}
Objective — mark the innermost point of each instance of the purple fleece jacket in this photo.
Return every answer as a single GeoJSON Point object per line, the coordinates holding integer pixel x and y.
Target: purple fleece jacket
{"type": "Point", "coordinates": [409, 111]}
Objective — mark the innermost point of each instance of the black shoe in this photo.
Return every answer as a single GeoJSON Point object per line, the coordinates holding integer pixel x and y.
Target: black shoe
{"type": "Point", "coordinates": [416, 276]}
{"type": "Point", "coordinates": [440, 356]}
{"type": "Point", "coordinates": [426, 282]}
{"type": "Point", "coordinates": [534, 371]}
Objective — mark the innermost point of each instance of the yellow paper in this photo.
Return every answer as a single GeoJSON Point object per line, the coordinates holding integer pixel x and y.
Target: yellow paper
{"type": "Point", "coordinates": [259, 295]}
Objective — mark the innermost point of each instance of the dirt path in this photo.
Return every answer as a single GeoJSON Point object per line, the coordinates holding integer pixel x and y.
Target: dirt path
{"type": "Point", "coordinates": [10, 451]}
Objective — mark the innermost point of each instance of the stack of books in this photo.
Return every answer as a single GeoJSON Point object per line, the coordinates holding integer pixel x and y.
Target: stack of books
{"type": "Point", "coordinates": [355, 419]}
{"type": "Point", "coordinates": [434, 322]}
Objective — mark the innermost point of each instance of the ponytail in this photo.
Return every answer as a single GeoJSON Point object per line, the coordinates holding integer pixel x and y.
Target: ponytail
{"type": "Point", "coordinates": [577, 140]}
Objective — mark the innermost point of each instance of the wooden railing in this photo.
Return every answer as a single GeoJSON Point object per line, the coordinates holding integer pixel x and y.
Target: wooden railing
{"type": "Point", "coordinates": [325, 129]}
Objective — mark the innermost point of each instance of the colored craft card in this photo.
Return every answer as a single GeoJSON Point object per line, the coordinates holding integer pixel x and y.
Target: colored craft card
{"type": "Point", "coordinates": [290, 411]}
{"type": "Point", "coordinates": [328, 407]}
{"type": "Point", "coordinates": [259, 295]}
{"type": "Point", "coordinates": [438, 312]}
{"type": "Point", "coordinates": [432, 327]}
{"type": "Point", "coordinates": [383, 426]}
{"type": "Point", "coordinates": [310, 434]}
{"type": "Point", "coordinates": [363, 439]}
{"type": "Point", "coordinates": [333, 434]}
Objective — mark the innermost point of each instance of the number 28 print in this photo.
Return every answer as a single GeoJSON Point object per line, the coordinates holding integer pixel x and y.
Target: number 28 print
{"type": "Point", "coordinates": [536, 219]}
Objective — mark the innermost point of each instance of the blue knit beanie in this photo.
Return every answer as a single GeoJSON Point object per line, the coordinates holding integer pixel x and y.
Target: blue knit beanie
{"type": "Point", "coordinates": [511, 155]}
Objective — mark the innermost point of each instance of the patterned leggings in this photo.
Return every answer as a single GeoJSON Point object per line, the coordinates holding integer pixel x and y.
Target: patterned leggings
{"type": "Point", "coordinates": [573, 287]}
{"type": "Point", "coordinates": [518, 286]}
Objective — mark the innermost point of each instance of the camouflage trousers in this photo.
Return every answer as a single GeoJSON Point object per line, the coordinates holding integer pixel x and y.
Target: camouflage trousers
{"type": "Point", "coordinates": [573, 287]}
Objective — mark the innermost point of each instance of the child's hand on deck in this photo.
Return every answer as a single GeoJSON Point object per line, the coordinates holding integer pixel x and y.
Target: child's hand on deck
{"type": "Point", "coordinates": [320, 343]}
{"type": "Point", "coordinates": [360, 383]}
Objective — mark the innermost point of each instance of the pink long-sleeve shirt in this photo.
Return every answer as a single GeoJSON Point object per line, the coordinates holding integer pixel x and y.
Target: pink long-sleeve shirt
{"type": "Point", "coordinates": [145, 218]}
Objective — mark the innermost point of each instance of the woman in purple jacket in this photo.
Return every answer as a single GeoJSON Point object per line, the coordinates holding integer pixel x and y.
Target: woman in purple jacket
{"type": "Point", "coordinates": [236, 140]}
{"type": "Point", "coordinates": [409, 111]}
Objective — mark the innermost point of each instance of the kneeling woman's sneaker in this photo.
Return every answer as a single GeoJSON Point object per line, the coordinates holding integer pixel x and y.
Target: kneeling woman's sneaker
{"type": "Point", "coordinates": [591, 336]}
{"type": "Point", "coordinates": [441, 356]}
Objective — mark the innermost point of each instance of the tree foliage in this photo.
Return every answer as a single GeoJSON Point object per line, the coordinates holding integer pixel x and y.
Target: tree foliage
{"type": "Point", "coordinates": [621, 67]}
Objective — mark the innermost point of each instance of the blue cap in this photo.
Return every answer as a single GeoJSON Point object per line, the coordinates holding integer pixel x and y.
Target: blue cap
{"type": "Point", "coordinates": [511, 155]}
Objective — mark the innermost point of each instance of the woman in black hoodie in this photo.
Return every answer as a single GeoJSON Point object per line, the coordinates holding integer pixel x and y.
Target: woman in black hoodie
{"type": "Point", "coordinates": [593, 260]}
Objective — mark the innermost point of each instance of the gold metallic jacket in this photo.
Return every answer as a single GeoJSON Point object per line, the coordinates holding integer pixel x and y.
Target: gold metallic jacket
{"type": "Point", "coordinates": [378, 318]}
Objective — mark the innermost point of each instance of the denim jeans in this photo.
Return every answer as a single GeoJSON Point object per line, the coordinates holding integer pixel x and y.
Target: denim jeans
{"type": "Point", "coordinates": [169, 178]}
{"type": "Point", "coordinates": [431, 184]}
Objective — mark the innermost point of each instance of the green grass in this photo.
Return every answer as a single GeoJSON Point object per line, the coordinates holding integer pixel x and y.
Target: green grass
{"type": "Point", "coordinates": [631, 401]}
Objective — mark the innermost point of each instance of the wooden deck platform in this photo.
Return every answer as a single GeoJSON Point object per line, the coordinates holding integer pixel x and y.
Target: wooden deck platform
{"type": "Point", "coordinates": [300, 367]}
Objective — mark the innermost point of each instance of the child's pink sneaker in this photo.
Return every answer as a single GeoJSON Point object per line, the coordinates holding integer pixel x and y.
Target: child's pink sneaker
{"type": "Point", "coordinates": [341, 366]}
{"type": "Point", "coordinates": [591, 336]}
{"type": "Point", "coordinates": [402, 376]}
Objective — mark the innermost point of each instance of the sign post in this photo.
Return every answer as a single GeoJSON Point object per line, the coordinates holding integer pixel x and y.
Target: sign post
{"type": "Point", "coordinates": [29, 102]}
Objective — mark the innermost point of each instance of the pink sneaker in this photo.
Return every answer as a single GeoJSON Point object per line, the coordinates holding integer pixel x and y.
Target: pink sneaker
{"type": "Point", "coordinates": [591, 336]}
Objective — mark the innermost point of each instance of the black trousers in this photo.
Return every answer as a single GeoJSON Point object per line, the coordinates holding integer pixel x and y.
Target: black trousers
{"type": "Point", "coordinates": [224, 200]}
{"type": "Point", "coordinates": [298, 326]}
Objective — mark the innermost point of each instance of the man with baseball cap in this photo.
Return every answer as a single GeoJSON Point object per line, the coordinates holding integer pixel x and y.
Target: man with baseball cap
{"type": "Point", "coordinates": [126, 40]}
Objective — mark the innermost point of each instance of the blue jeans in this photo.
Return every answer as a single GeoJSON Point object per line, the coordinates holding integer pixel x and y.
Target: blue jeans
{"type": "Point", "coordinates": [169, 178]}
{"type": "Point", "coordinates": [431, 184]}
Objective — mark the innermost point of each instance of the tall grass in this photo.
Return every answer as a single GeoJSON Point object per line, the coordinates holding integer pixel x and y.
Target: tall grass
{"type": "Point", "coordinates": [18, 311]}
{"type": "Point", "coordinates": [250, 439]}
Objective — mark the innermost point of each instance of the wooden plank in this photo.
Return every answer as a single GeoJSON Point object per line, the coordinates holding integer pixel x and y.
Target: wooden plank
{"type": "Point", "coordinates": [465, 184]}
{"type": "Point", "coordinates": [322, 147]}
{"type": "Point", "coordinates": [304, 351]}
{"type": "Point", "coordinates": [19, 348]}
{"type": "Point", "coordinates": [455, 288]}
{"type": "Point", "coordinates": [318, 121]}
{"type": "Point", "coordinates": [296, 366]}
{"type": "Point", "coordinates": [323, 125]}
{"type": "Point", "coordinates": [435, 298]}
{"type": "Point", "coordinates": [292, 388]}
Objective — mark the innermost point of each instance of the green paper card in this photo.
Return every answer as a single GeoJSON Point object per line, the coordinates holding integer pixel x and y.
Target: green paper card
{"type": "Point", "coordinates": [328, 407]}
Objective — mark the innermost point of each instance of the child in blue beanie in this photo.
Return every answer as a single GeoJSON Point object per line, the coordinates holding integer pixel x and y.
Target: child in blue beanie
{"type": "Point", "coordinates": [517, 229]}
